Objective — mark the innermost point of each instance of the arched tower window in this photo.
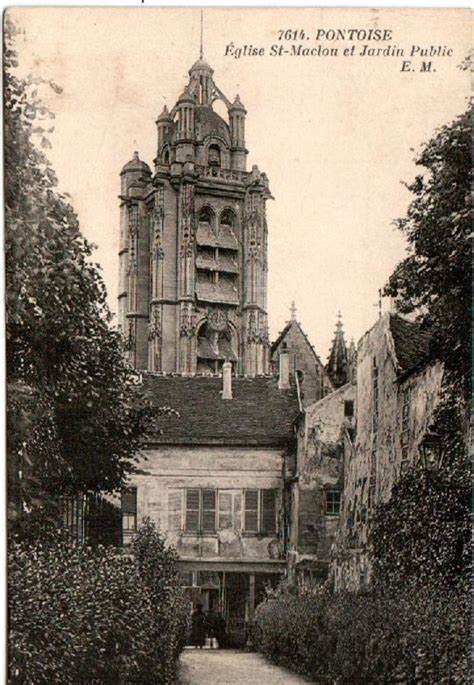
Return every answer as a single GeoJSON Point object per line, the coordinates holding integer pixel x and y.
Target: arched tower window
{"type": "Point", "coordinates": [206, 218]}
{"type": "Point", "coordinates": [214, 155]}
{"type": "Point", "coordinates": [227, 218]}
{"type": "Point", "coordinates": [217, 343]}
{"type": "Point", "coordinates": [166, 156]}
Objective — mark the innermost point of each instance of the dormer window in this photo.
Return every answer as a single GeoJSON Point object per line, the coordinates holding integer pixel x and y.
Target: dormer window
{"type": "Point", "coordinates": [214, 156]}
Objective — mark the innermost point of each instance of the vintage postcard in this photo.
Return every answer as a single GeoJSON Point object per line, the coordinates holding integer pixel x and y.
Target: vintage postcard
{"type": "Point", "coordinates": [237, 253]}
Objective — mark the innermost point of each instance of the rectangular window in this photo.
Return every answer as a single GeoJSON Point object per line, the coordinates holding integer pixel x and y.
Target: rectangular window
{"type": "Point", "coordinates": [349, 408]}
{"type": "Point", "coordinates": [200, 510]}
{"type": "Point", "coordinates": [129, 514]}
{"type": "Point", "coordinates": [260, 512]}
{"type": "Point", "coordinates": [332, 502]}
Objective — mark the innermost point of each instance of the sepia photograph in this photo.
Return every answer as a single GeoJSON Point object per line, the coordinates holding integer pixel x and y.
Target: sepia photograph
{"type": "Point", "coordinates": [237, 283]}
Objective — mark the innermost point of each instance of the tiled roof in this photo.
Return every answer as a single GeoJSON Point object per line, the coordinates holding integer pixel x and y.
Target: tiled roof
{"type": "Point", "coordinates": [412, 343]}
{"type": "Point", "coordinates": [258, 414]}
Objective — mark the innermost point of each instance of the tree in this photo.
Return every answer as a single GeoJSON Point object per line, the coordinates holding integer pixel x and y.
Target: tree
{"type": "Point", "coordinates": [82, 614]}
{"type": "Point", "coordinates": [421, 536]}
{"type": "Point", "coordinates": [434, 280]}
{"type": "Point", "coordinates": [59, 340]}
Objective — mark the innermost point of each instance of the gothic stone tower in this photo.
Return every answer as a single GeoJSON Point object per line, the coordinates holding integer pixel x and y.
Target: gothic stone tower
{"type": "Point", "coordinates": [193, 242]}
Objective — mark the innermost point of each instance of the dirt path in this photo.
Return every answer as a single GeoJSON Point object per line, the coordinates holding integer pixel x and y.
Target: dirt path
{"type": "Point", "coordinates": [232, 667]}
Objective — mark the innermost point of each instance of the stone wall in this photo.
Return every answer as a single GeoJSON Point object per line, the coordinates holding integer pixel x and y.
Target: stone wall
{"type": "Point", "coordinates": [393, 417]}
{"type": "Point", "coordinates": [319, 471]}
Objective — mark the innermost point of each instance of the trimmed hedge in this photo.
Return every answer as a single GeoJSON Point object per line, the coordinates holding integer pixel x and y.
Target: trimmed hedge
{"type": "Point", "coordinates": [418, 635]}
{"type": "Point", "coordinates": [81, 615]}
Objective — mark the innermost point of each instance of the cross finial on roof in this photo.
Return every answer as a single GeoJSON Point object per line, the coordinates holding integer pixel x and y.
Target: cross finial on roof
{"type": "Point", "coordinates": [293, 311]}
{"type": "Point", "coordinates": [201, 53]}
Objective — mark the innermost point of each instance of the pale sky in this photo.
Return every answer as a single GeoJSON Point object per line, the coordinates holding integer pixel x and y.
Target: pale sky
{"type": "Point", "coordinates": [335, 135]}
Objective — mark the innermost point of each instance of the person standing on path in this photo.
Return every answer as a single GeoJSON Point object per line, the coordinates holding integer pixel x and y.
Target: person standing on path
{"type": "Point", "coordinates": [198, 627]}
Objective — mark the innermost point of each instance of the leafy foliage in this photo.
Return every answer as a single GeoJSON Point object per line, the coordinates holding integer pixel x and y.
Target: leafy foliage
{"type": "Point", "coordinates": [59, 342]}
{"type": "Point", "coordinates": [423, 531]}
{"type": "Point", "coordinates": [80, 614]}
{"type": "Point", "coordinates": [374, 637]}
{"type": "Point", "coordinates": [169, 604]}
{"type": "Point", "coordinates": [435, 278]}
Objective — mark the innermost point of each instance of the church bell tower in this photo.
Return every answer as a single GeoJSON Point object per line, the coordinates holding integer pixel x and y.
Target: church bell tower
{"type": "Point", "coordinates": [193, 242]}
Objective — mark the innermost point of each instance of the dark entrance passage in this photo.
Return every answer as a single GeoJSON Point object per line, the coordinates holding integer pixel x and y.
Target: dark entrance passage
{"type": "Point", "coordinates": [237, 607]}
{"type": "Point", "coordinates": [231, 596]}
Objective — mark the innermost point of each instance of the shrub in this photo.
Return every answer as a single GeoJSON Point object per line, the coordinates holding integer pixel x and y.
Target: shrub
{"type": "Point", "coordinates": [89, 615]}
{"type": "Point", "coordinates": [414, 635]}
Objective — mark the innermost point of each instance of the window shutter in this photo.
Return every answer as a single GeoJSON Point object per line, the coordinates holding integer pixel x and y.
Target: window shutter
{"type": "Point", "coordinates": [175, 503]}
{"type": "Point", "coordinates": [209, 511]}
{"type": "Point", "coordinates": [225, 510]}
{"type": "Point", "coordinates": [238, 511]}
{"type": "Point", "coordinates": [192, 510]}
{"type": "Point", "coordinates": [268, 511]}
{"type": "Point", "coordinates": [251, 511]}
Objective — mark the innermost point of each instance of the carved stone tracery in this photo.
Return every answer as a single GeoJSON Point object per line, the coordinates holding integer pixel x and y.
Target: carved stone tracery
{"type": "Point", "coordinates": [133, 226]}
{"type": "Point", "coordinates": [154, 327]}
{"type": "Point", "coordinates": [188, 324]}
{"type": "Point", "coordinates": [158, 217]}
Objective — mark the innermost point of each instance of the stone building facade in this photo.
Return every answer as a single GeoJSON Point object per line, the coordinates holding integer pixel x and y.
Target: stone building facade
{"type": "Point", "coordinates": [193, 242]}
{"type": "Point", "coordinates": [212, 480]}
{"type": "Point", "coordinates": [397, 394]}
{"type": "Point", "coordinates": [325, 435]}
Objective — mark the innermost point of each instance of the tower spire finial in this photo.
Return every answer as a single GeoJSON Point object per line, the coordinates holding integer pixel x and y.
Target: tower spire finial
{"type": "Point", "coordinates": [201, 53]}
{"type": "Point", "coordinates": [293, 311]}
{"type": "Point", "coordinates": [337, 365]}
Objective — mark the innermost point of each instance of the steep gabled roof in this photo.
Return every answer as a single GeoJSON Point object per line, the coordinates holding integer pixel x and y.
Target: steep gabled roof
{"type": "Point", "coordinates": [258, 414]}
{"type": "Point", "coordinates": [283, 334]}
{"type": "Point", "coordinates": [411, 342]}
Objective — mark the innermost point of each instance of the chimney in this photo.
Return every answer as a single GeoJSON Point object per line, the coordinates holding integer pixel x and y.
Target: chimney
{"type": "Point", "coordinates": [227, 381]}
{"type": "Point", "coordinates": [284, 378]}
